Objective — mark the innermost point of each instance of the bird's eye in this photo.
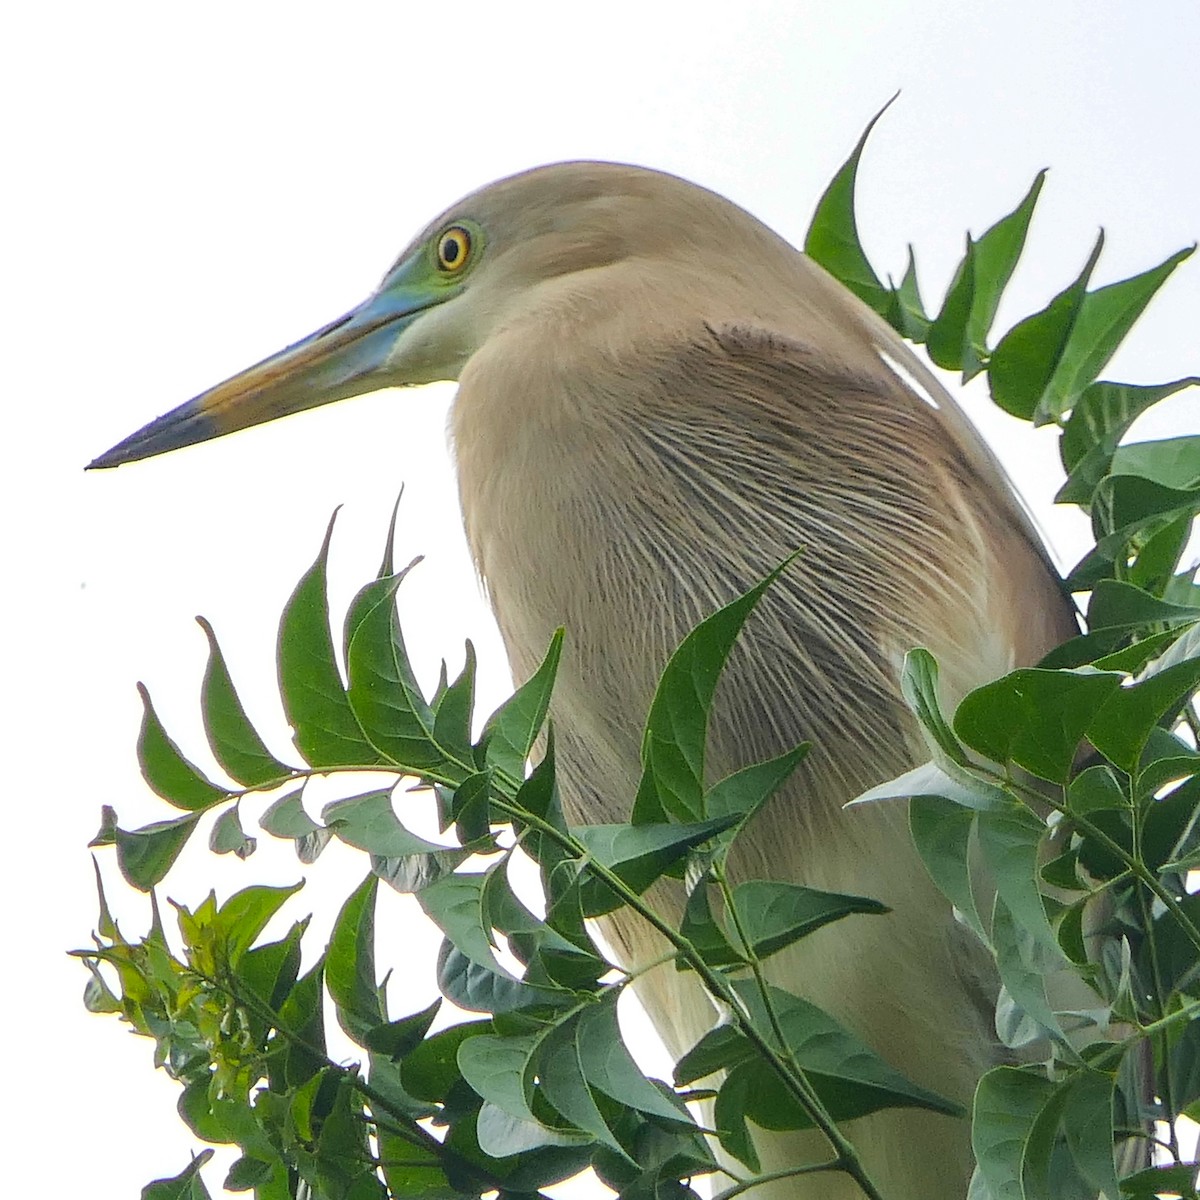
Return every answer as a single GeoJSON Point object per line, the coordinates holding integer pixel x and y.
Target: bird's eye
{"type": "Point", "coordinates": [453, 249]}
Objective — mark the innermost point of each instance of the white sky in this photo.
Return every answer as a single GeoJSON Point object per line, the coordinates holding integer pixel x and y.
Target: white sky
{"type": "Point", "coordinates": [192, 187]}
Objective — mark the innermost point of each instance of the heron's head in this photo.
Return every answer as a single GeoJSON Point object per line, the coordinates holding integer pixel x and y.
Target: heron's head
{"type": "Point", "coordinates": [481, 265]}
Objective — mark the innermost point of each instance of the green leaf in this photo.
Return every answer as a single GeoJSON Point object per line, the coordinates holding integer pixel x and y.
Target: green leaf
{"type": "Point", "coordinates": [455, 905]}
{"type": "Point", "coordinates": [1034, 718]}
{"type": "Point", "coordinates": [246, 1173]}
{"type": "Point", "coordinates": [850, 1079]}
{"type": "Point", "coordinates": [967, 790]}
{"type": "Point", "coordinates": [608, 1065]}
{"type": "Point", "coordinates": [245, 915]}
{"type": "Point", "coordinates": [941, 831]}
{"type": "Point", "coordinates": [479, 988]}
{"type": "Point", "coordinates": [1025, 361]}
{"type": "Point", "coordinates": [1007, 1103]}
{"type": "Point", "coordinates": [672, 783]}
{"type": "Point", "coordinates": [383, 691]}
{"type": "Point", "coordinates": [454, 709]}
{"type": "Point", "coordinates": [832, 238]}
{"type": "Point", "coordinates": [1105, 316]}
{"type": "Point", "coordinates": [1174, 462]}
{"type": "Point", "coordinates": [302, 1014]}
{"type": "Point", "coordinates": [1010, 840]}
{"type": "Point", "coordinates": [287, 818]}
{"type": "Point", "coordinates": [502, 1070]}
{"type": "Point", "coordinates": [1118, 605]}
{"type": "Point", "coordinates": [1160, 1181]}
{"type": "Point", "coordinates": [269, 972]}
{"type": "Point", "coordinates": [431, 1069]}
{"type": "Point", "coordinates": [1020, 962]}
{"type": "Point", "coordinates": [906, 314]}
{"type": "Point", "coordinates": [513, 728]}
{"type": "Point", "coordinates": [165, 769]}
{"type": "Point", "coordinates": [235, 742]}
{"type": "Point", "coordinates": [187, 1185]}
{"type": "Point", "coordinates": [704, 934]}
{"type": "Point", "coordinates": [325, 730]}
{"type": "Point", "coordinates": [744, 792]}
{"type": "Point", "coordinates": [350, 964]}
{"type": "Point", "coordinates": [565, 1086]}
{"type": "Point", "coordinates": [957, 340]}
{"type": "Point", "coordinates": [228, 836]}
{"type": "Point", "coordinates": [773, 915]}
{"type": "Point", "coordinates": [1123, 725]}
{"type": "Point", "coordinates": [639, 854]}
{"type": "Point", "coordinates": [145, 855]}
{"type": "Point", "coordinates": [919, 684]}
{"type": "Point", "coordinates": [404, 860]}
{"type": "Point", "coordinates": [398, 1038]}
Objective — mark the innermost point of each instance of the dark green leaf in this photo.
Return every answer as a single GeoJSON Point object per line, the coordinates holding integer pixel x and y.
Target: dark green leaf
{"type": "Point", "coordinates": [246, 1173]}
{"type": "Point", "coordinates": [145, 855]}
{"type": "Point", "coordinates": [1105, 317]}
{"type": "Point", "coordinates": [1115, 604]}
{"type": "Point", "coordinates": [1096, 425]}
{"type": "Point", "coordinates": [301, 1013]}
{"type": "Point", "coordinates": [1123, 725]}
{"type": "Point", "coordinates": [350, 964]}
{"type": "Point", "coordinates": [245, 915]}
{"type": "Point", "coordinates": [512, 729]}
{"type": "Point", "coordinates": [957, 340]}
{"type": "Point", "coordinates": [1025, 362]}
{"type": "Point", "coordinates": [478, 988]}
{"type": "Point", "coordinates": [703, 932]}
{"type": "Point", "coordinates": [1034, 718]}
{"type": "Point", "coordinates": [234, 740]}
{"type": "Point", "coordinates": [502, 1070]}
{"type": "Point", "coordinates": [832, 238]}
{"type": "Point", "coordinates": [906, 314]}
{"type": "Point", "coordinates": [640, 854]}
{"type": "Point", "coordinates": [398, 1038]}
{"type": "Point", "coordinates": [454, 709]}
{"type": "Point", "coordinates": [1010, 840]}
{"type": "Point", "coordinates": [164, 768]}
{"type": "Point", "coordinates": [775, 915]}
{"type": "Point", "coordinates": [268, 972]}
{"type": "Point", "coordinates": [672, 783]}
{"type": "Point", "coordinates": [383, 691]}
{"type": "Point", "coordinates": [1160, 1181]}
{"type": "Point", "coordinates": [325, 730]}
{"type": "Point", "coordinates": [1174, 462]}
{"type": "Point", "coordinates": [431, 1070]}
{"type": "Point", "coordinates": [187, 1185]}
{"type": "Point", "coordinates": [919, 683]}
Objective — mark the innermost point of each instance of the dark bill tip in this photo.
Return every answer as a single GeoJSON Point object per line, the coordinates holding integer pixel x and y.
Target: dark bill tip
{"type": "Point", "coordinates": [182, 426]}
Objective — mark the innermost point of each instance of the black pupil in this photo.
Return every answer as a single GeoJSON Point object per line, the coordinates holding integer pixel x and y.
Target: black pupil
{"type": "Point", "coordinates": [451, 248]}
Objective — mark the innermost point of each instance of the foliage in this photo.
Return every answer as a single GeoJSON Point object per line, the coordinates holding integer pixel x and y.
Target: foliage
{"type": "Point", "coordinates": [538, 1084]}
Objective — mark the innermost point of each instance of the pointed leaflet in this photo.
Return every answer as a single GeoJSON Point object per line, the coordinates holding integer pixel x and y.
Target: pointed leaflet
{"type": "Point", "coordinates": [513, 728]}
{"type": "Point", "coordinates": [287, 818]}
{"type": "Point", "coordinates": [1096, 425]}
{"type": "Point", "coordinates": [398, 1038]}
{"type": "Point", "coordinates": [941, 831]}
{"type": "Point", "coordinates": [369, 822]}
{"type": "Point", "coordinates": [164, 768]}
{"type": "Point", "coordinates": [1024, 362]}
{"type": "Point", "coordinates": [228, 836]}
{"type": "Point", "coordinates": [325, 730]}
{"type": "Point", "coordinates": [565, 1086]}
{"type": "Point", "coordinates": [744, 792]}
{"type": "Point", "coordinates": [639, 854]}
{"type": "Point", "coordinates": [187, 1185]}
{"type": "Point", "coordinates": [145, 855]}
{"type": "Point", "coordinates": [957, 339]}
{"type": "Point", "coordinates": [502, 1070]}
{"type": "Point", "coordinates": [608, 1065]}
{"type": "Point", "coordinates": [832, 238]}
{"type": "Point", "coordinates": [672, 784]}
{"type": "Point", "coordinates": [1022, 969]}
{"type": "Point", "coordinates": [383, 692]}
{"type": "Point", "coordinates": [704, 934]}
{"type": "Point", "coordinates": [235, 742]}
{"type": "Point", "coordinates": [1105, 316]}
{"type": "Point", "coordinates": [1034, 718]}
{"type": "Point", "coordinates": [906, 313]}
{"type": "Point", "coordinates": [1118, 605]}
{"type": "Point", "coordinates": [929, 780]}
{"type": "Point", "coordinates": [850, 1079]}
{"type": "Point", "coordinates": [454, 708]}
{"type": "Point", "coordinates": [1007, 1103]}
{"type": "Point", "coordinates": [774, 915]}
{"type": "Point", "coordinates": [350, 964]}
{"type": "Point", "coordinates": [1009, 840]}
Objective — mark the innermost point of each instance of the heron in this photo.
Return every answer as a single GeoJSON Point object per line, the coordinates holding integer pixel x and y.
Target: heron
{"type": "Point", "coordinates": [659, 399]}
